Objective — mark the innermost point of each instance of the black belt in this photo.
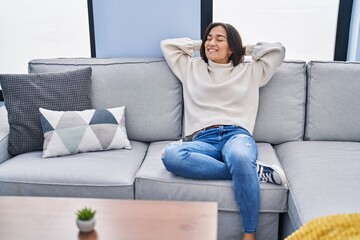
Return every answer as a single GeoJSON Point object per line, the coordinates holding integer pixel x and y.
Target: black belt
{"type": "Point", "coordinates": [213, 126]}
{"type": "Point", "coordinates": [209, 127]}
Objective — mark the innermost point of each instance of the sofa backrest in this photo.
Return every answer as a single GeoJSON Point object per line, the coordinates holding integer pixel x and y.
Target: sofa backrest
{"type": "Point", "coordinates": [153, 96]}
{"type": "Point", "coordinates": [150, 92]}
{"type": "Point", "coordinates": [281, 114]}
{"type": "Point", "coordinates": [333, 101]}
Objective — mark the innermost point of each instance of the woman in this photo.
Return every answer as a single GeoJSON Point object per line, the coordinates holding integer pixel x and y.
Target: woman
{"type": "Point", "coordinates": [221, 96]}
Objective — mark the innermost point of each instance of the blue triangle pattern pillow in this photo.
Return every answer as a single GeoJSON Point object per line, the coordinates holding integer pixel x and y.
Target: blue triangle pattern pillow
{"type": "Point", "coordinates": [72, 132]}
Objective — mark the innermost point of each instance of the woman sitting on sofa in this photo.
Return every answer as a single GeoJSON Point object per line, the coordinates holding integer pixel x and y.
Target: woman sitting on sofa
{"type": "Point", "coordinates": [221, 96]}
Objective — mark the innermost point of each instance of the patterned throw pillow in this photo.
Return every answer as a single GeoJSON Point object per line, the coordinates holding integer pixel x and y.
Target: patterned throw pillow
{"type": "Point", "coordinates": [73, 132]}
{"type": "Point", "coordinates": [24, 94]}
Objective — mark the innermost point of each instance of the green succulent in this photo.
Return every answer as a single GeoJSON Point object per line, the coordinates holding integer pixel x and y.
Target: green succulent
{"type": "Point", "coordinates": [85, 214]}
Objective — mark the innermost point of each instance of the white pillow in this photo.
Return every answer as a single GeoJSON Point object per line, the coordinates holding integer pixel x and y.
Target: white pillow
{"type": "Point", "coordinates": [72, 132]}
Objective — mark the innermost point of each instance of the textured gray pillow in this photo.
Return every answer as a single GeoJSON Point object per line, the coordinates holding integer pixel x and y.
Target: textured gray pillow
{"type": "Point", "coordinates": [24, 94]}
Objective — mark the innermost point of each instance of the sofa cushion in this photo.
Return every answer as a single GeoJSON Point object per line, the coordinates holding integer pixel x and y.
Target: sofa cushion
{"type": "Point", "coordinates": [323, 178]}
{"type": "Point", "coordinates": [107, 174]}
{"type": "Point", "coordinates": [71, 132]}
{"type": "Point", "coordinates": [147, 87]}
{"type": "Point", "coordinates": [153, 181]}
{"type": "Point", "coordinates": [333, 101]}
{"type": "Point", "coordinates": [281, 114]}
{"type": "Point", "coordinates": [4, 135]}
{"type": "Point", "coordinates": [25, 93]}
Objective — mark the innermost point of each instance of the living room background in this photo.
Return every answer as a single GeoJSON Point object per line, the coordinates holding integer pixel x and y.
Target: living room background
{"type": "Point", "coordinates": [44, 29]}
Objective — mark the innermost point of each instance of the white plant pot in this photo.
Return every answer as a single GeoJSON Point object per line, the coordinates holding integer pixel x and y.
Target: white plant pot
{"type": "Point", "coordinates": [85, 226]}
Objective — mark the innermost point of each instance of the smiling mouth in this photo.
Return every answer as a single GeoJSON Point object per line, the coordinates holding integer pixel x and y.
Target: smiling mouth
{"type": "Point", "coordinates": [212, 50]}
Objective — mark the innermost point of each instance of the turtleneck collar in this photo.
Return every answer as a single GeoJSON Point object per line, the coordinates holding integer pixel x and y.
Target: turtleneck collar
{"type": "Point", "coordinates": [220, 65]}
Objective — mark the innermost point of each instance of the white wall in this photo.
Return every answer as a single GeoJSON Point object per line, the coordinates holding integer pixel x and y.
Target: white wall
{"type": "Point", "coordinates": [307, 28]}
{"type": "Point", "coordinates": [41, 29]}
{"type": "Point", "coordinates": [354, 35]}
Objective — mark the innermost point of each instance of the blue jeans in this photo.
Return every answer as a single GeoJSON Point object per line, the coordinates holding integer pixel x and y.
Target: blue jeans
{"type": "Point", "coordinates": [227, 153]}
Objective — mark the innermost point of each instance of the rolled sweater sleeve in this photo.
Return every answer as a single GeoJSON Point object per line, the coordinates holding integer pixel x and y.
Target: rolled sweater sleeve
{"type": "Point", "coordinates": [267, 58]}
{"type": "Point", "coordinates": [178, 54]}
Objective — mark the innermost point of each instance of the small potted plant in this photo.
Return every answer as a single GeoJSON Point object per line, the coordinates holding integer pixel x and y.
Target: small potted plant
{"type": "Point", "coordinates": [85, 219]}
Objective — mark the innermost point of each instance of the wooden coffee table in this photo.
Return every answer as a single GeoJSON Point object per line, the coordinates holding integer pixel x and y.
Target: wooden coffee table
{"type": "Point", "coordinates": [54, 218]}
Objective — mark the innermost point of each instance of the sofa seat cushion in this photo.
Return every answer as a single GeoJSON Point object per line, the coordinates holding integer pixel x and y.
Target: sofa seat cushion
{"type": "Point", "coordinates": [323, 178]}
{"type": "Point", "coordinates": [107, 174]}
{"type": "Point", "coordinates": [153, 181]}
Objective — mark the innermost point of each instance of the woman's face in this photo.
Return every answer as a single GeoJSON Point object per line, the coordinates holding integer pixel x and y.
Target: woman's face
{"type": "Point", "coordinates": [216, 46]}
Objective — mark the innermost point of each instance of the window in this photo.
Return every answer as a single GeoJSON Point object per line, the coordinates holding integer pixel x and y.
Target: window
{"type": "Point", "coordinates": [41, 29]}
{"type": "Point", "coordinates": [307, 28]}
{"type": "Point", "coordinates": [354, 35]}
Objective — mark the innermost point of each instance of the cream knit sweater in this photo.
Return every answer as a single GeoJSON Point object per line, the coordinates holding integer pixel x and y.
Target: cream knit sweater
{"type": "Point", "coordinates": [221, 93]}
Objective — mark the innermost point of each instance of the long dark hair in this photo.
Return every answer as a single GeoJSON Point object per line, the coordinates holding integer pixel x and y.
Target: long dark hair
{"type": "Point", "coordinates": [233, 38]}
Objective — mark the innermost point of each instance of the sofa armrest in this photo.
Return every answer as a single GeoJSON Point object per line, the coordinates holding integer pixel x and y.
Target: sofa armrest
{"type": "Point", "coordinates": [4, 135]}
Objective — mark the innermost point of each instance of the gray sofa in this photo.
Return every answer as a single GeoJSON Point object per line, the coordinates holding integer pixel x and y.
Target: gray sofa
{"type": "Point", "coordinates": [308, 123]}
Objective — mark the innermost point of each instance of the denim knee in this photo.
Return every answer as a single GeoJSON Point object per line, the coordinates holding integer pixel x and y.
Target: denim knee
{"type": "Point", "coordinates": [241, 153]}
{"type": "Point", "coordinates": [171, 156]}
